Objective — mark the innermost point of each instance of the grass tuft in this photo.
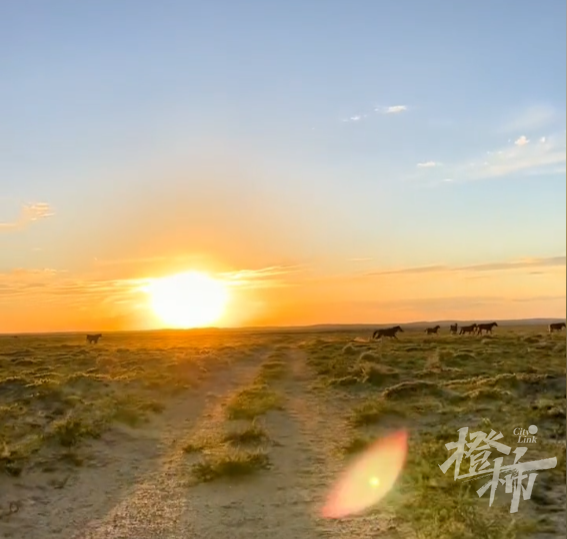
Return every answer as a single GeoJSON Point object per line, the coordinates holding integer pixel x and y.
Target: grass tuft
{"type": "Point", "coordinates": [235, 463]}
{"type": "Point", "coordinates": [253, 401]}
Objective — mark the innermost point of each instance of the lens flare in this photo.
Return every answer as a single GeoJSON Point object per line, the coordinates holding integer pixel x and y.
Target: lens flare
{"type": "Point", "coordinates": [369, 478]}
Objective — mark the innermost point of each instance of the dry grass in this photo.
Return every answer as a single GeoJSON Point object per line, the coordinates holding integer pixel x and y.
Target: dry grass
{"type": "Point", "coordinates": [230, 464]}
{"type": "Point", "coordinates": [436, 385]}
{"type": "Point", "coordinates": [58, 394]}
{"type": "Point", "coordinates": [225, 446]}
{"type": "Point", "coordinates": [57, 391]}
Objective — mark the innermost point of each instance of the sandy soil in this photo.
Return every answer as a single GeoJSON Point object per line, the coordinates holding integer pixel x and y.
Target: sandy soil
{"type": "Point", "coordinates": [135, 485]}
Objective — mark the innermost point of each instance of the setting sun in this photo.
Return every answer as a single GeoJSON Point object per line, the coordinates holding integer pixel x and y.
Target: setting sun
{"type": "Point", "coordinates": [188, 300]}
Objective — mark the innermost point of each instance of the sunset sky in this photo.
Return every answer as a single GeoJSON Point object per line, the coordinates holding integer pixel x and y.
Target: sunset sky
{"type": "Point", "coordinates": [330, 162]}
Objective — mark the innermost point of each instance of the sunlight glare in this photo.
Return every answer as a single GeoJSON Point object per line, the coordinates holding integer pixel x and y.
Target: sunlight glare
{"type": "Point", "coordinates": [369, 478]}
{"type": "Point", "coordinates": [188, 300]}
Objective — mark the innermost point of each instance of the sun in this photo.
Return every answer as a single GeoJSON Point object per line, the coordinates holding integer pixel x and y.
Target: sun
{"type": "Point", "coordinates": [187, 300]}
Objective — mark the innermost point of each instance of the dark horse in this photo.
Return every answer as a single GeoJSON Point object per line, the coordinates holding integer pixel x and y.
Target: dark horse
{"type": "Point", "coordinates": [557, 326]}
{"type": "Point", "coordinates": [486, 327]}
{"type": "Point", "coordinates": [93, 338]}
{"type": "Point", "coordinates": [468, 329]}
{"type": "Point", "coordinates": [387, 332]}
{"type": "Point", "coordinates": [432, 331]}
{"type": "Point", "coordinates": [454, 328]}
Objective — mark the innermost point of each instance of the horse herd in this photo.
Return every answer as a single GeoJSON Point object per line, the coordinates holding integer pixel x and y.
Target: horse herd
{"type": "Point", "coordinates": [473, 329]}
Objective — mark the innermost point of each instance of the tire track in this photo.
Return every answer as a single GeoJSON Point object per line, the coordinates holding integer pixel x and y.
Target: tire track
{"type": "Point", "coordinates": [323, 428]}
{"type": "Point", "coordinates": [273, 503]}
{"type": "Point", "coordinates": [135, 487]}
{"type": "Point", "coordinates": [154, 507]}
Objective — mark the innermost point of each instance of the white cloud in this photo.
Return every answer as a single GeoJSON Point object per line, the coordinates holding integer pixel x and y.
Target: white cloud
{"type": "Point", "coordinates": [28, 214]}
{"type": "Point", "coordinates": [394, 109]}
{"type": "Point", "coordinates": [522, 141]}
{"type": "Point", "coordinates": [428, 164]}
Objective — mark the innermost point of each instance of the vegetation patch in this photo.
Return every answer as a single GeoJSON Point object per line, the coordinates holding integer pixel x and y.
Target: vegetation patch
{"type": "Point", "coordinates": [250, 434]}
{"type": "Point", "coordinates": [253, 401]}
{"type": "Point", "coordinates": [230, 464]}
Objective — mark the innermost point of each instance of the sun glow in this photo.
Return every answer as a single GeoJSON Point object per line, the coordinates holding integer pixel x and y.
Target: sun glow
{"type": "Point", "coordinates": [188, 300]}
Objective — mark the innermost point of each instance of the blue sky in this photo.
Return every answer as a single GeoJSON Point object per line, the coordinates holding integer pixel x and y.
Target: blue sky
{"type": "Point", "coordinates": [407, 132]}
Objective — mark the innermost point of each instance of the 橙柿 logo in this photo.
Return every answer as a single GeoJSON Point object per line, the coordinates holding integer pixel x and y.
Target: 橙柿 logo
{"type": "Point", "coordinates": [478, 451]}
{"type": "Point", "coordinates": [526, 436]}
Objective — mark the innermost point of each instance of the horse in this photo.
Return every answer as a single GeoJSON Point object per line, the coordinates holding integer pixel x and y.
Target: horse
{"type": "Point", "coordinates": [468, 329]}
{"type": "Point", "coordinates": [93, 338]}
{"type": "Point", "coordinates": [486, 327]}
{"type": "Point", "coordinates": [387, 332]}
{"type": "Point", "coordinates": [454, 328]}
{"type": "Point", "coordinates": [556, 326]}
{"type": "Point", "coordinates": [432, 331]}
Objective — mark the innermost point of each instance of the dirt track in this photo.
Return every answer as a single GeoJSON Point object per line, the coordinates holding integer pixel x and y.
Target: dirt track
{"type": "Point", "coordinates": [136, 485]}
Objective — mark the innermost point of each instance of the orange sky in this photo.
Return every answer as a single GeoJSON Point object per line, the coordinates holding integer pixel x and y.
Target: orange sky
{"type": "Point", "coordinates": [108, 297]}
{"type": "Point", "coordinates": [78, 267]}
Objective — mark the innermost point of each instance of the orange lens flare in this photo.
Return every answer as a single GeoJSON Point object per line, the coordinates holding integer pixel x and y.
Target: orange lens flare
{"type": "Point", "coordinates": [369, 478]}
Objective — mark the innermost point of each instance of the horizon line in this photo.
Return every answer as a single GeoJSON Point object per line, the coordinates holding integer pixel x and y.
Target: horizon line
{"type": "Point", "coordinates": [506, 321]}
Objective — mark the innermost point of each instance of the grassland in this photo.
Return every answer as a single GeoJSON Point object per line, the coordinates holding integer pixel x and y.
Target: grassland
{"type": "Point", "coordinates": [234, 434]}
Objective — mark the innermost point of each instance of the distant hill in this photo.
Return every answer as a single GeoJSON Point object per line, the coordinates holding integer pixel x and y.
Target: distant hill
{"type": "Point", "coordinates": [416, 325]}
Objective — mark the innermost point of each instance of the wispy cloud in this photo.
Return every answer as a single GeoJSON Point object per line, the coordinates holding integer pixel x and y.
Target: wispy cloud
{"type": "Point", "coordinates": [546, 156]}
{"type": "Point", "coordinates": [56, 285]}
{"type": "Point", "coordinates": [393, 109]}
{"type": "Point", "coordinates": [428, 164]}
{"type": "Point", "coordinates": [526, 263]}
{"type": "Point", "coordinates": [518, 264]}
{"type": "Point", "coordinates": [533, 118]}
{"type": "Point", "coordinates": [272, 276]}
{"type": "Point", "coordinates": [355, 118]}
{"type": "Point", "coordinates": [148, 259]}
{"type": "Point", "coordinates": [28, 214]}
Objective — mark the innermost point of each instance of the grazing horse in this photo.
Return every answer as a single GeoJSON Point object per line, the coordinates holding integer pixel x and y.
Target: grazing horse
{"type": "Point", "coordinates": [557, 326]}
{"type": "Point", "coordinates": [468, 329]}
{"type": "Point", "coordinates": [486, 327]}
{"type": "Point", "coordinates": [93, 338]}
{"type": "Point", "coordinates": [432, 331]}
{"type": "Point", "coordinates": [387, 332]}
{"type": "Point", "coordinates": [454, 328]}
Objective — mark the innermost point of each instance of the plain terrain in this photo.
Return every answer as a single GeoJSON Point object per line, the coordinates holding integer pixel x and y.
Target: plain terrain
{"type": "Point", "coordinates": [235, 434]}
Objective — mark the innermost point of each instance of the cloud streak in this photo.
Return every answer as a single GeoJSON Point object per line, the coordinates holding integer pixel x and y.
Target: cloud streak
{"type": "Point", "coordinates": [555, 261]}
{"type": "Point", "coordinates": [428, 164]}
{"type": "Point", "coordinates": [29, 214]}
{"type": "Point", "coordinates": [546, 156]}
{"type": "Point", "coordinates": [269, 277]}
{"type": "Point", "coordinates": [53, 283]}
